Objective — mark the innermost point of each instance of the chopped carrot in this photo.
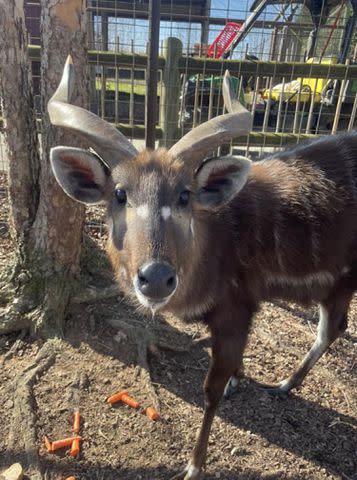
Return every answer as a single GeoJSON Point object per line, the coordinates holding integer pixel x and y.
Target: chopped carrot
{"type": "Point", "coordinates": [65, 442]}
{"type": "Point", "coordinates": [48, 444]}
{"type": "Point", "coordinates": [75, 449]}
{"type": "Point", "coordinates": [76, 421]}
{"type": "Point", "coordinates": [152, 413]}
{"type": "Point", "coordinates": [71, 478]}
{"type": "Point", "coordinates": [123, 397]}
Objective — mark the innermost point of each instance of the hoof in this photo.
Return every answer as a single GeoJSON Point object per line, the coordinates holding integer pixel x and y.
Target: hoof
{"type": "Point", "coordinates": [280, 390]}
{"type": "Point", "coordinates": [189, 473]}
{"type": "Point", "coordinates": [231, 388]}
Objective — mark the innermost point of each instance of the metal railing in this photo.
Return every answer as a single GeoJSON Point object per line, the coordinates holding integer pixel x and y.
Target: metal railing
{"type": "Point", "coordinates": [280, 117]}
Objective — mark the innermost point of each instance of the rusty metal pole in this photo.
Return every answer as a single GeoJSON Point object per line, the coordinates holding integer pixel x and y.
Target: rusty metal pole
{"type": "Point", "coordinates": [152, 71]}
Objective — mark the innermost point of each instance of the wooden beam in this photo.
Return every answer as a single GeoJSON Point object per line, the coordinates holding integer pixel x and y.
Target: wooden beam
{"type": "Point", "coordinates": [131, 131]}
{"type": "Point", "coordinates": [271, 139]}
{"type": "Point", "coordinates": [270, 69]}
{"type": "Point", "coordinates": [215, 67]}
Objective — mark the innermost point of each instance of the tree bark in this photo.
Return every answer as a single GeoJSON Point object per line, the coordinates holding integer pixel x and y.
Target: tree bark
{"type": "Point", "coordinates": [19, 120]}
{"type": "Point", "coordinates": [47, 270]}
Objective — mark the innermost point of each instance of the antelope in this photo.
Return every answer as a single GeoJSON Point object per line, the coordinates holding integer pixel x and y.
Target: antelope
{"type": "Point", "coordinates": [209, 239]}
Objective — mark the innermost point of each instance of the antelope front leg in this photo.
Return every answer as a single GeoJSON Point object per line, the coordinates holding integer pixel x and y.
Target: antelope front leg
{"type": "Point", "coordinates": [227, 355]}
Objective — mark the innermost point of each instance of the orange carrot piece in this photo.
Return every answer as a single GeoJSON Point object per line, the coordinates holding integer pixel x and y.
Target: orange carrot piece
{"type": "Point", "coordinates": [64, 442]}
{"type": "Point", "coordinates": [48, 444]}
{"type": "Point", "coordinates": [130, 401]}
{"type": "Point", "coordinates": [75, 449]}
{"type": "Point", "coordinates": [71, 478]}
{"type": "Point", "coordinates": [125, 398]}
{"type": "Point", "coordinates": [116, 397]}
{"type": "Point", "coordinates": [152, 413]}
{"type": "Point", "coordinates": [76, 421]}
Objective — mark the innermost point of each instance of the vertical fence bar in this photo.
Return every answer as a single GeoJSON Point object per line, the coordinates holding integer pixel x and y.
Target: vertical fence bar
{"type": "Point", "coordinates": [104, 20]}
{"type": "Point", "coordinates": [210, 100]}
{"type": "Point", "coordinates": [116, 92]}
{"type": "Point", "coordinates": [338, 107]}
{"type": "Point", "coordinates": [255, 96]}
{"type": "Point", "coordinates": [311, 109]}
{"type": "Point", "coordinates": [182, 103]}
{"type": "Point", "coordinates": [353, 114]}
{"type": "Point", "coordinates": [195, 103]}
{"type": "Point", "coordinates": [152, 68]}
{"type": "Point", "coordinates": [297, 108]}
{"type": "Point", "coordinates": [280, 107]}
{"type": "Point", "coordinates": [103, 89]}
{"type": "Point", "coordinates": [131, 96]}
{"type": "Point", "coordinates": [170, 101]}
{"type": "Point", "coordinates": [267, 108]}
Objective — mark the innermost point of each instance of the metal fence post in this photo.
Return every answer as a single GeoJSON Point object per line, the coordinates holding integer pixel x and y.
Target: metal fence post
{"type": "Point", "coordinates": [170, 100]}
{"type": "Point", "coordinates": [151, 73]}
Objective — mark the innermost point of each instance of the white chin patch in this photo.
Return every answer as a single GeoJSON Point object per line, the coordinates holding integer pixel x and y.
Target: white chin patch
{"type": "Point", "coordinates": [146, 302]}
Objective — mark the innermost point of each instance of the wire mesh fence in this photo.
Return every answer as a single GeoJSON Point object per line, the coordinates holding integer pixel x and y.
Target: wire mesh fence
{"type": "Point", "coordinates": [291, 62]}
{"type": "Point", "coordinates": [288, 102]}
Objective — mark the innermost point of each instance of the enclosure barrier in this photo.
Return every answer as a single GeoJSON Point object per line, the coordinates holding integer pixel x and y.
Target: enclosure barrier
{"type": "Point", "coordinates": [176, 68]}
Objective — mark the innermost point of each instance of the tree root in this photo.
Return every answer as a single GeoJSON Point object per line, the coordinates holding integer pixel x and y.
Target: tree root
{"type": "Point", "coordinates": [147, 341]}
{"type": "Point", "coordinates": [22, 433]}
{"type": "Point", "coordinates": [91, 295]}
{"type": "Point", "coordinates": [6, 293]}
{"type": "Point", "coordinates": [15, 347]}
{"type": "Point", "coordinates": [11, 321]}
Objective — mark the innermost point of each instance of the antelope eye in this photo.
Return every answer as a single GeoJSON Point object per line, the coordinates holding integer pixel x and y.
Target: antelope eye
{"type": "Point", "coordinates": [184, 198]}
{"type": "Point", "coordinates": [120, 196]}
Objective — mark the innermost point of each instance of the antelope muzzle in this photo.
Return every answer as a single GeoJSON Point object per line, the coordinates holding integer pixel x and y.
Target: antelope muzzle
{"type": "Point", "coordinates": [155, 283]}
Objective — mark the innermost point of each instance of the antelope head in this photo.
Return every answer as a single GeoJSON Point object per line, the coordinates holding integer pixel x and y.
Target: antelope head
{"type": "Point", "coordinates": [157, 201]}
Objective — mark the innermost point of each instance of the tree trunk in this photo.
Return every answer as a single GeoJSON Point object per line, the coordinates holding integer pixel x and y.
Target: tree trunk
{"type": "Point", "coordinates": [46, 273]}
{"type": "Point", "coordinates": [19, 120]}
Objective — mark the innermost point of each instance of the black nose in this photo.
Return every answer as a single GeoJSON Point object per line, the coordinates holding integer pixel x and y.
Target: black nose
{"type": "Point", "coordinates": [156, 280]}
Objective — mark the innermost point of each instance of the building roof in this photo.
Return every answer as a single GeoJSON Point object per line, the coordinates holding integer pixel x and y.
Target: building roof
{"type": "Point", "coordinates": [178, 10]}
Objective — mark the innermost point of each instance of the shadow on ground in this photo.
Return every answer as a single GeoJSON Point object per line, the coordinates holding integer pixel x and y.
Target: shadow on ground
{"type": "Point", "coordinates": [52, 470]}
{"type": "Point", "coordinates": [305, 428]}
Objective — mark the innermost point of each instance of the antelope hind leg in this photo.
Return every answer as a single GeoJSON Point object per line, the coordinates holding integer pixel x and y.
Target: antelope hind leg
{"type": "Point", "coordinates": [332, 323]}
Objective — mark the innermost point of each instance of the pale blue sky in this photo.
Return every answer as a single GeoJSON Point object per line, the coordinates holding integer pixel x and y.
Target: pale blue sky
{"type": "Point", "coordinates": [134, 32]}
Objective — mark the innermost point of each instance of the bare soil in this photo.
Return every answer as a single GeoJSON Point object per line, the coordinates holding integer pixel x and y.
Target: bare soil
{"type": "Point", "coordinates": [311, 434]}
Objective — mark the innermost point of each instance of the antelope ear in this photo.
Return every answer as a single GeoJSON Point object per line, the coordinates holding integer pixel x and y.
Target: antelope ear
{"type": "Point", "coordinates": [219, 180]}
{"type": "Point", "coordinates": [80, 173]}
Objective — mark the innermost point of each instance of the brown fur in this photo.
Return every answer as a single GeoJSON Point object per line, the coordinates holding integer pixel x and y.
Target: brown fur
{"type": "Point", "coordinates": [290, 233]}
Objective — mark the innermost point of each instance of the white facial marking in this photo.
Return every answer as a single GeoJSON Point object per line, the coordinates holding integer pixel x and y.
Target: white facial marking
{"type": "Point", "coordinates": [192, 227]}
{"type": "Point", "coordinates": [166, 212]}
{"type": "Point", "coordinates": [143, 211]}
{"type": "Point", "coordinates": [122, 272]}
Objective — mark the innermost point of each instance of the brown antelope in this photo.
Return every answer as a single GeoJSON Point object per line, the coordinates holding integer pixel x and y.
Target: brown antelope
{"type": "Point", "coordinates": [209, 240]}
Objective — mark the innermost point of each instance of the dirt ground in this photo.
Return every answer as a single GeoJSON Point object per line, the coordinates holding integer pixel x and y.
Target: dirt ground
{"type": "Point", "coordinates": [310, 435]}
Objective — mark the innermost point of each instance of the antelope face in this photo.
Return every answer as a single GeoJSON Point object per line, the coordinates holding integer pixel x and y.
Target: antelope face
{"type": "Point", "coordinates": [150, 214]}
{"type": "Point", "coordinates": [153, 198]}
{"type": "Point", "coordinates": [153, 203]}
